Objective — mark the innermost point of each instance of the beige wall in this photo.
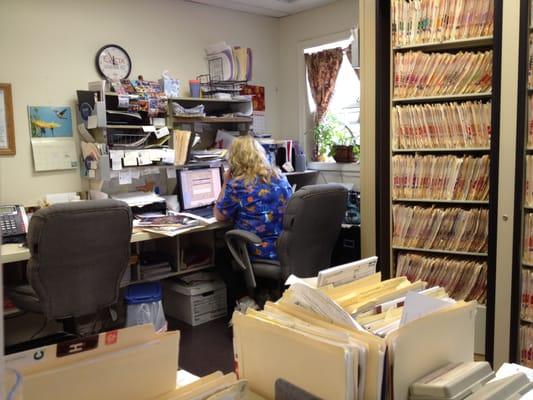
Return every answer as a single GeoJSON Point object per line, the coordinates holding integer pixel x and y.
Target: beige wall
{"type": "Point", "coordinates": [48, 49]}
{"type": "Point", "coordinates": [324, 21]}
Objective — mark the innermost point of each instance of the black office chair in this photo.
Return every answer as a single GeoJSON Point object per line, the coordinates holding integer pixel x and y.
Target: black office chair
{"type": "Point", "coordinates": [79, 252]}
{"type": "Point", "coordinates": [311, 225]}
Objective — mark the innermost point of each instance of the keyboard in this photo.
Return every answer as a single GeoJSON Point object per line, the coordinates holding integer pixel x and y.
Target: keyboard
{"type": "Point", "coordinates": [205, 212]}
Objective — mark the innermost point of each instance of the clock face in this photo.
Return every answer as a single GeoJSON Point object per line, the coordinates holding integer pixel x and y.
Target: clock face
{"type": "Point", "coordinates": [113, 62]}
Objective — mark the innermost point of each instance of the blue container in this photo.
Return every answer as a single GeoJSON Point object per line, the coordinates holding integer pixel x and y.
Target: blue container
{"type": "Point", "coordinates": [148, 292]}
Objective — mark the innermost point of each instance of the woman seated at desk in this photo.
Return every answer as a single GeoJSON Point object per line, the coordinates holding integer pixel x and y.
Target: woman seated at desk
{"type": "Point", "coordinates": [254, 195]}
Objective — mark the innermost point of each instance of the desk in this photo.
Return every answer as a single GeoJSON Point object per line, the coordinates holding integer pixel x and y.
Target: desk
{"type": "Point", "coordinates": [13, 252]}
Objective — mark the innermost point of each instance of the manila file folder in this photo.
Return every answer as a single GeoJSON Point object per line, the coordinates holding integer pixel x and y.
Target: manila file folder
{"type": "Point", "coordinates": [130, 363]}
{"type": "Point", "coordinates": [414, 350]}
{"type": "Point", "coordinates": [265, 352]}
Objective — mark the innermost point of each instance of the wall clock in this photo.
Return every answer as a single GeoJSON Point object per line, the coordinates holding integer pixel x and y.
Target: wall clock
{"type": "Point", "coordinates": [113, 62]}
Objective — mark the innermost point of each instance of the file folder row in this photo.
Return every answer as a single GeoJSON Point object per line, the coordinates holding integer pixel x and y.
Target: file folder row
{"type": "Point", "coordinates": [440, 177]}
{"type": "Point", "coordinates": [427, 21]}
{"type": "Point", "coordinates": [419, 74]}
{"type": "Point", "coordinates": [440, 228]}
{"type": "Point", "coordinates": [442, 126]}
{"type": "Point", "coordinates": [462, 279]}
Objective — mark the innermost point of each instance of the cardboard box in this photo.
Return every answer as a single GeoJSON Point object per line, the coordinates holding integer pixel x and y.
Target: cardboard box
{"type": "Point", "coordinates": [196, 303]}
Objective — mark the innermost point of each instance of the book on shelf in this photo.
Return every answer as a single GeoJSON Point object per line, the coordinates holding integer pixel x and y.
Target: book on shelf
{"type": "Point", "coordinates": [526, 306]}
{"type": "Point", "coordinates": [181, 146]}
{"type": "Point", "coordinates": [419, 74]}
{"type": "Point", "coordinates": [530, 122]}
{"type": "Point", "coordinates": [530, 64]}
{"type": "Point", "coordinates": [526, 346]}
{"type": "Point", "coordinates": [440, 177]}
{"type": "Point", "coordinates": [528, 183]}
{"type": "Point", "coordinates": [450, 125]}
{"type": "Point", "coordinates": [451, 229]}
{"type": "Point", "coordinates": [429, 21]}
{"type": "Point", "coordinates": [462, 279]}
{"type": "Point", "coordinates": [527, 255]}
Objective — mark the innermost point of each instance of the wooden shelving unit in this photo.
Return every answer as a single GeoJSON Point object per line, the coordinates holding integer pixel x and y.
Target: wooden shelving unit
{"type": "Point", "coordinates": [439, 251]}
{"type": "Point", "coordinates": [468, 43]}
{"type": "Point", "coordinates": [522, 270]}
{"type": "Point", "coordinates": [213, 120]}
{"type": "Point", "coordinates": [444, 150]}
{"type": "Point", "coordinates": [438, 201]}
{"type": "Point", "coordinates": [442, 98]}
{"type": "Point", "coordinates": [386, 102]}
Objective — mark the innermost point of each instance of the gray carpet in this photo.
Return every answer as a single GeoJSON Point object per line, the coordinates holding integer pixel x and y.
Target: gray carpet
{"type": "Point", "coordinates": [205, 348]}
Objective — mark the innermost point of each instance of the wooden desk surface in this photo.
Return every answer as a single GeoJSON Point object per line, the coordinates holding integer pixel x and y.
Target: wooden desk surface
{"type": "Point", "coordinates": [13, 252]}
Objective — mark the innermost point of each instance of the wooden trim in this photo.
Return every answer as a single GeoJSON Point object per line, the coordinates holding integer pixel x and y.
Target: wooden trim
{"type": "Point", "coordinates": [521, 137]}
{"type": "Point", "coordinates": [383, 150]}
{"type": "Point", "coordinates": [493, 180]}
{"type": "Point", "coordinates": [10, 150]}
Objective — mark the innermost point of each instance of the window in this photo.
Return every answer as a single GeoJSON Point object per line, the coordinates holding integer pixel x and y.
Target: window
{"type": "Point", "coordinates": [340, 124]}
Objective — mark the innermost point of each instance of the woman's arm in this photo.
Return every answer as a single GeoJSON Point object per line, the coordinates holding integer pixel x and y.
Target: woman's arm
{"type": "Point", "coordinates": [216, 212]}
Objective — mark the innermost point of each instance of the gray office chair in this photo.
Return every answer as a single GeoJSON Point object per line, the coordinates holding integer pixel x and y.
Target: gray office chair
{"type": "Point", "coordinates": [79, 252]}
{"type": "Point", "coordinates": [311, 226]}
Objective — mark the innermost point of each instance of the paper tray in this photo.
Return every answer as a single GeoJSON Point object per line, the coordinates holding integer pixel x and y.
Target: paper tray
{"type": "Point", "coordinates": [452, 382]}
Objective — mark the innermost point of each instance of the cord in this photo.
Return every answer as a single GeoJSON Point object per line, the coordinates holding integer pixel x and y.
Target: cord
{"type": "Point", "coordinates": [45, 322]}
{"type": "Point", "coordinates": [18, 383]}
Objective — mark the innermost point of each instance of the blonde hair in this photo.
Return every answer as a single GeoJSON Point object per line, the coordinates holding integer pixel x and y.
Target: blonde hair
{"type": "Point", "coordinates": [247, 160]}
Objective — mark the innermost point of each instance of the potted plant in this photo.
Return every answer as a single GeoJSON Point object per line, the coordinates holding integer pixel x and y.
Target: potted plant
{"type": "Point", "coordinates": [345, 149]}
{"type": "Point", "coordinates": [334, 139]}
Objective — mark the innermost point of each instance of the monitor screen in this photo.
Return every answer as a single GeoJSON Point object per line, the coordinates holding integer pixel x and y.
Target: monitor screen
{"type": "Point", "coordinates": [199, 187]}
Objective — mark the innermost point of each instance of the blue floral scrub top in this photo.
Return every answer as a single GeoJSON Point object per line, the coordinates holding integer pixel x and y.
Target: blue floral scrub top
{"type": "Point", "coordinates": [257, 208]}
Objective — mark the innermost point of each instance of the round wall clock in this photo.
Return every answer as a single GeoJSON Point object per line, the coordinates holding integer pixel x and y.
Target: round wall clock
{"type": "Point", "coordinates": [113, 62]}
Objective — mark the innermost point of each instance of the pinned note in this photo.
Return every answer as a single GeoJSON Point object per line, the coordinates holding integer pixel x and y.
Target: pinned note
{"type": "Point", "coordinates": [135, 173]}
{"type": "Point", "coordinates": [92, 122]}
{"type": "Point", "coordinates": [124, 177]}
{"type": "Point", "coordinates": [149, 128]}
{"type": "Point", "coordinates": [162, 132]}
{"type": "Point", "coordinates": [130, 158]}
{"type": "Point", "coordinates": [116, 164]}
{"type": "Point", "coordinates": [171, 172]}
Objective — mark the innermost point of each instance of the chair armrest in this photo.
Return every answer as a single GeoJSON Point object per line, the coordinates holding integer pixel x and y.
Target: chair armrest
{"type": "Point", "coordinates": [236, 234]}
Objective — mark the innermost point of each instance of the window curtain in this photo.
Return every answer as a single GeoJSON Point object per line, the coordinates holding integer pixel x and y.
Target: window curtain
{"type": "Point", "coordinates": [322, 70]}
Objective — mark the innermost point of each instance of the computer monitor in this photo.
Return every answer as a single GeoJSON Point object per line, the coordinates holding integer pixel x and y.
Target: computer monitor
{"type": "Point", "coordinates": [199, 187]}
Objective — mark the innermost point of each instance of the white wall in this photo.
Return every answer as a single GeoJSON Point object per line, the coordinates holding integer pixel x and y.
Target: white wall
{"type": "Point", "coordinates": [48, 48]}
{"type": "Point", "coordinates": [324, 21]}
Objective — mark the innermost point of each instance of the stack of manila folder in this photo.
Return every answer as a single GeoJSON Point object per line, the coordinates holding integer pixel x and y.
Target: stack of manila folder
{"type": "Point", "coordinates": [312, 338]}
{"type": "Point", "coordinates": [134, 363]}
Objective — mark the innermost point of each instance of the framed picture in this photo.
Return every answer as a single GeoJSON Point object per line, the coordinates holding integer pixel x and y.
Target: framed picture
{"type": "Point", "coordinates": [7, 127]}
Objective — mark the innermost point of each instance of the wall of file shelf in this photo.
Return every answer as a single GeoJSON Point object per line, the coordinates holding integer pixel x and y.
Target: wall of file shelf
{"type": "Point", "coordinates": [438, 95]}
{"type": "Point", "coordinates": [521, 343]}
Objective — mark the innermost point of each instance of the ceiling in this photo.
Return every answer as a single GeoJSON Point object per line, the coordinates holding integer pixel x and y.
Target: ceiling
{"type": "Point", "coordinates": [271, 8]}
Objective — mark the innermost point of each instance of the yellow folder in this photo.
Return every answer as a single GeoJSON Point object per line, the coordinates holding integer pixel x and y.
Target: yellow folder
{"type": "Point", "coordinates": [376, 345]}
{"type": "Point", "coordinates": [426, 344]}
{"type": "Point", "coordinates": [130, 363]}
{"type": "Point", "coordinates": [266, 351]}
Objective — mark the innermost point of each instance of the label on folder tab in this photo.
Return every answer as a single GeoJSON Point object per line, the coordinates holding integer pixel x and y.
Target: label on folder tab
{"type": "Point", "coordinates": [77, 346]}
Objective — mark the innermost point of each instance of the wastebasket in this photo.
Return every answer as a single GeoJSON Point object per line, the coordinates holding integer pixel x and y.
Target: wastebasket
{"type": "Point", "coordinates": [145, 306]}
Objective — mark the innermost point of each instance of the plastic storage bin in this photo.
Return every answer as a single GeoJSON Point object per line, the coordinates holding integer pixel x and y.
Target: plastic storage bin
{"type": "Point", "coordinates": [145, 306]}
{"type": "Point", "coordinates": [196, 303]}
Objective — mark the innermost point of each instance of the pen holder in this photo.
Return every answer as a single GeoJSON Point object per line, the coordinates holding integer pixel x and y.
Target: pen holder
{"type": "Point", "coordinates": [194, 87]}
{"type": "Point", "coordinates": [299, 162]}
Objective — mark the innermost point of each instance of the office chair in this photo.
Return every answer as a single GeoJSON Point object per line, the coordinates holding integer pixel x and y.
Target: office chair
{"type": "Point", "coordinates": [79, 252]}
{"type": "Point", "coordinates": [311, 225]}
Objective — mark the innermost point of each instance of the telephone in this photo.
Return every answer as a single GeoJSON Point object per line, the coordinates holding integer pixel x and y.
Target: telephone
{"type": "Point", "coordinates": [14, 224]}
